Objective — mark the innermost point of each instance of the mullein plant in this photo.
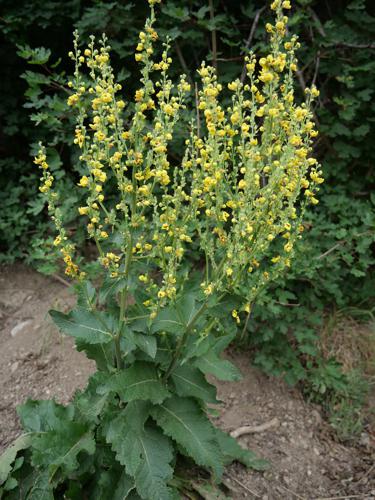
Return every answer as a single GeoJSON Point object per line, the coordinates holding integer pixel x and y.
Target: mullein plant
{"type": "Point", "coordinates": [154, 322]}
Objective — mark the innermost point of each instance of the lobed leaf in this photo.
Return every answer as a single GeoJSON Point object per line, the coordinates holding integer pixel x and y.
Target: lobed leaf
{"type": "Point", "coordinates": [10, 454]}
{"type": "Point", "coordinates": [54, 450]}
{"type": "Point", "coordinates": [184, 421]}
{"type": "Point", "coordinates": [43, 416]}
{"type": "Point", "coordinates": [144, 451]}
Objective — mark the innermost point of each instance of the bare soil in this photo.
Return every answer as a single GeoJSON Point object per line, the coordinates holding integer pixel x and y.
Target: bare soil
{"type": "Point", "coordinates": [306, 462]}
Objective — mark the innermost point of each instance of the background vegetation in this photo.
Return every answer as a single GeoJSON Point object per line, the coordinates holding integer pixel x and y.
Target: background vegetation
{"type": "Point", "coordinates": [333, 274]}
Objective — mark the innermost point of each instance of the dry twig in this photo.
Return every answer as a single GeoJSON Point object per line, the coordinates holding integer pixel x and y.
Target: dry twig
{"type": "Point", "coordinates": [61, 280]}
{"type": "Point", "coordinates": [252, 429]}
{"type": "Point", "coordinates": [244, 487]}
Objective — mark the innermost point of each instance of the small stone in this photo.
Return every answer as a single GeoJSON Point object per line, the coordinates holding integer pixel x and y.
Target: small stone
{"type": "Point", "coordinates": [14, 366]}
{"type": "Point", "coordinates": [19, 327]}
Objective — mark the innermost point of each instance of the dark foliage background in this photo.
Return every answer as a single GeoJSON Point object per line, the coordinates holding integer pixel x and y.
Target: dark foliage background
{"type": "Point", "coordinates": [334, 268]}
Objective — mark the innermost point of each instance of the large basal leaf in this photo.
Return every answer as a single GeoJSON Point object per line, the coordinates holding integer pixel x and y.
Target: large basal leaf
{"type": "Point", "coordinates": [231, 451]}
{"type": "Point", "coordinates": [42, 416]}
{"type": "Point", "coordinates": [184, 421]}
{"type": "Point", "coordinates": [9, 455]}
{"type": "Point", "coordinates": [140, 381]}
{"type": "Point", "coordinates": [220, 368]}
{"type": "Point", "coordinates": [88, 403]}
{"type": "Point", "coordinates": [144, 451]}
{"type": "Point", "coordinates": [86, 326]}
{"type": "Point", "coordinates": [123, 487]}
{"type": "Point", "coordinates": [121, 429]}
{"type": "Point", "coordinates": [190, 381]}
{"type": "Point", "coordinates": [56, 450]}
{"type": "Point", "coordinates": [41, 488]}
{"type": "Point", "coordinates": [155, 469]}
{"type": "Point", "coordinates": [102, 484]}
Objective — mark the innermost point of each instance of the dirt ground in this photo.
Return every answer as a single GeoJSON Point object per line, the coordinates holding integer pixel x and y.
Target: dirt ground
{"type": "Point", "coordinates": [306, 461]}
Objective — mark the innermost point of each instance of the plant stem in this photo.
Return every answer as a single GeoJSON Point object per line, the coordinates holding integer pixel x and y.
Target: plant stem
{"type": "Point", "coordinates": [123, 299]}
{"type": "Point", "coordinates": [118, 351]}
{"type": "Point", "coordinates": [182, 340]}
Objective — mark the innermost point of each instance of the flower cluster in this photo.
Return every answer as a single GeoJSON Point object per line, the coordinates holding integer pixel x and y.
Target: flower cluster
{"type": "Point", "coordinates": [61, 241]}
{"type": "Point", "coordinates": [238, 195]}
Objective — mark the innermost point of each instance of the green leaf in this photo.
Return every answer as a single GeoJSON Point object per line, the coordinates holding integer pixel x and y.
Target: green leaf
{"type": "Point", "coordinates": [140, 381]}
{"type": "Point", "coordinates": [231, 451]}
{"type": "Point", "coordinates": [85, 294]}
{"type": "Point", "coordinates": [88, 403]}
{"type": "Point", "coordinates": [184, 421]}
{"type": "Point", "coordinates": [110, 287]}
{"type": "Point", "coordinates": [179, 13]}
{"type": "Point", "coordinates": [174, 319]}
{"type": "Point", "coordinates": [123, 487]}
{"type": "Point", "coordinates": [102, 354]}
{"type": "Point", "coordinates": [146, 343]}
{"type": "Point", "coordinates": [85, 325]}
{"type": "Point", "coordinates": [121, 431]}
{"type": "Point", "coordinates": [10, 484]}
{"type": "Point", "coordinates": [39, 55]}
{"type": "Point", "coordinates": [9, 455]}
{"type": "Point", "coordinates": [154, 470]}
{"type": "Point", "coordinates": [186, 308]}
{"type": "Point", "coordinates": [60, 449]}
{"type": "Point", "coordinates": [144, 451]}
{"type": "Point", "coordinates": [168, 320]}
{"type": "Point", "coordinates": [190, 381]}
{"type": "Point", "coordinates": [42, 416]}
{"type": "Point", "coordinates": [208, 491]}
{"type": "Point", "coordinates": [220, 368]}
{"type": "Point", "coordinates": [42, 488]}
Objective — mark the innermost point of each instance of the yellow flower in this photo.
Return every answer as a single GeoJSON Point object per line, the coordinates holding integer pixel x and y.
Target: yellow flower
{"type": "Point", "coordinates": [84, 181]}
{"type": "Point", "coordinates": [57, 241]}
{"type": "Point", "coordinates": [72, 100]}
